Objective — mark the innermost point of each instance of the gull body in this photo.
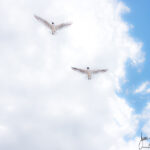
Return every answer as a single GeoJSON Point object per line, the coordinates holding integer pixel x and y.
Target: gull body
{"type": "Point", "coordinates": [52, 25]}
{"type": "Point", "coordinates": [53, 28]}
{"type": "Point", "coordinates": [88, 71]}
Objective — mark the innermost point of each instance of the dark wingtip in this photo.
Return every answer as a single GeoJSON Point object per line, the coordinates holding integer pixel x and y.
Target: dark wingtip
{"type": "Point", "coordinates": [105, 70]}
{"type": "Point", "coordinates": [35, 16]}
{"type": "Point", "coordinates": [74, 68]}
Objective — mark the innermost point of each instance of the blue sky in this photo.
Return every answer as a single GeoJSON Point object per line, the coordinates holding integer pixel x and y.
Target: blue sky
{"type": "Point", "coordinates": [139, 16]}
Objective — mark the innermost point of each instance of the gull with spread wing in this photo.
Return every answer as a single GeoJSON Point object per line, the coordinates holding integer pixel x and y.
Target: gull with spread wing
{"type": "Point", "coordinates": [52, 25]}
{"type": "Point", "coordinates": [89, 72]}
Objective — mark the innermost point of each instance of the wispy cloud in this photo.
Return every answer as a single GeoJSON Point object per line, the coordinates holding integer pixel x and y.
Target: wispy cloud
{"type": "Point", "coordinates": [148, 90]}
{"type": "Point", "coordinates": [143, 88]}
{"type": "Point", "coordinates": [145, 117]}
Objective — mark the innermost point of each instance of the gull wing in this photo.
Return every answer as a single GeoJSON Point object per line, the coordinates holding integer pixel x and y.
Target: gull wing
{"type": "Point", "coordinates": [43, 21]}
{"type": "Point", "coordinates": [99, 70]}
{"type": "Point", "coordinates": [80, 70]}
{"type": "Point", "coordinates": [62, 25]}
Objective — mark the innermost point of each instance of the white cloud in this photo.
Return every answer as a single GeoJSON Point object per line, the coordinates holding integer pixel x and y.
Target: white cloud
{"type": "Point", "coordinates": [145, 117]}
{"type": "Point", "coordinates": [143, 88]}
{"type": "Point", "coordinates": [148, 90]}
{"type": "Point", "coordinates": [46, 105]}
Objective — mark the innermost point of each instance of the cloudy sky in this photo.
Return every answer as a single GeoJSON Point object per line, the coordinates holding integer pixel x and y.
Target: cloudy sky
{"type": "Point", "coordinates": [44, 104]}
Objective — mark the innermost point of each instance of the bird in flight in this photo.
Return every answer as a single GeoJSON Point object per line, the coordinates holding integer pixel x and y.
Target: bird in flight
{"type": "Point", "coordinates": [143, 138]}
{"type": "Point", "coordinates": [52, 25]}
{"type": "Point", "coordinates": [89, 72]}
{"type": "Point", "coordinates": [141, 143]}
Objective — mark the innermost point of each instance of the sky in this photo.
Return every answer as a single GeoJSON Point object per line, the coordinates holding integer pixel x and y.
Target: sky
{"type": "Point", "coordinates": [44, 104]}
{"type": "Point", "coordinates": [139, 18]}
{"type": "Point", "coordinates": [136, 90]}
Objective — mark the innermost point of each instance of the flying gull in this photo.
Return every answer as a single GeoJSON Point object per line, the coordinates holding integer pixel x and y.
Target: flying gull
{"type": "Point", "coordinates": [89, 72]}
{"type": "Point", "coordinates": [52, 25]}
